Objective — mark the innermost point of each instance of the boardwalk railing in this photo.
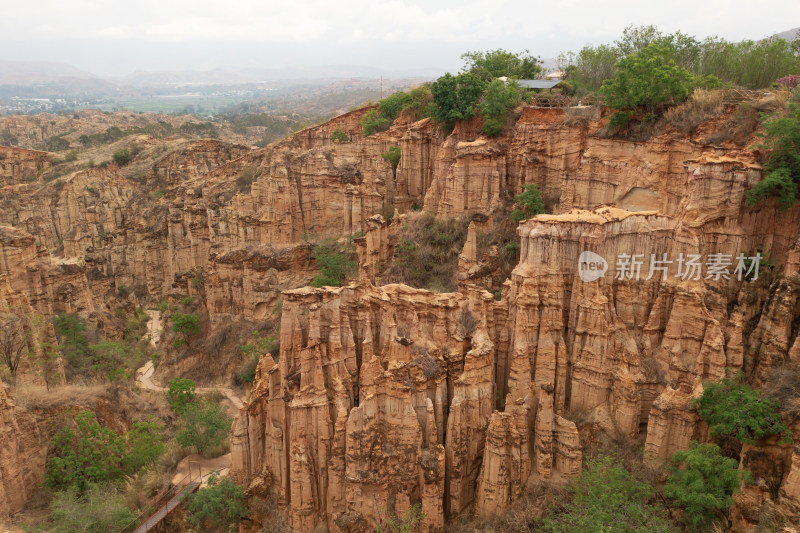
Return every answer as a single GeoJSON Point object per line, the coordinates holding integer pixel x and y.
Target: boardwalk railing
{"type": "Point", "coordinates": [164, 503]}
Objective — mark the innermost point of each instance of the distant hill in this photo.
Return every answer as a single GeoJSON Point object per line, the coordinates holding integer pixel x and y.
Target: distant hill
{"type": "Point", "coordinates": [28, 72]}
{"type": "Point", "coordinates": [789, 35]}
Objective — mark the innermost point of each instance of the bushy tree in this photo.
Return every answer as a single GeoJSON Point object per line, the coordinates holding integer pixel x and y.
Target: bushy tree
{"type": "Point", "coordinates": [220, 505]}
{"type": "Point", "coordinates": [186, 324]}
{"type": "Point", "coordinates": [703, 482]}
{"type": "Point", "coordinates": [181, 393]}
{"type": "Point", "coordinates": [205, 426]}
{"type": "Point", "coordinates": [648, 79]}
{"type": "Point", "coordinates": [86, 454]}
{"type": "Point", "coordinates": [731, 407]}
{"type": "Point", "coordinates": [89, 453]}
{"type": "Point", "coordinates": [500, 98]}
{"type": "Point", "coordinates": [782, 167]}
{"type": "Point", "coordinates": [496, 63]}
{"type": "Point", "coordinates": [71, 332]}
{"type": "Point", "coordinates": [455, 98]}
{"type": "Point", "coordinates": [529, 203]}
{"type": "Point", "coordinates": [392, 156]}
{"type": "Point", "coordinates": [608, 498]}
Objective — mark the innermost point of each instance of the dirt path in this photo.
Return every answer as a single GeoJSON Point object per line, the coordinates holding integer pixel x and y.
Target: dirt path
{"type": "Point", "coordinates": [144, 380]}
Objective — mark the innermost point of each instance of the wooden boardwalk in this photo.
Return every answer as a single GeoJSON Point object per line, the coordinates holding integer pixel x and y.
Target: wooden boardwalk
{"type": "Point", "coordinates": [161, 513]}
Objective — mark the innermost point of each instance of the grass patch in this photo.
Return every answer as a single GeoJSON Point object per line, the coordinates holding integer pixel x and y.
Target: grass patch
{"type": "Point", "coordinates": [426, 256]}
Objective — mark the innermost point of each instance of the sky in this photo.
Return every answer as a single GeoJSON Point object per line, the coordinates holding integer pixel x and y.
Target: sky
{"type": "Point", "coordinates": [111, 37]}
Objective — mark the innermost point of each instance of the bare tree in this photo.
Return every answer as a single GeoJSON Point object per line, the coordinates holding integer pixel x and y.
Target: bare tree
{"type": "Point", "coordinates": [13, 343]}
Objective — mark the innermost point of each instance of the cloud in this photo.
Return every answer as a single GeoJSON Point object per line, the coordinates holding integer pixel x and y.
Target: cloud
{"type": "Point", "coordinates": [415, 31]}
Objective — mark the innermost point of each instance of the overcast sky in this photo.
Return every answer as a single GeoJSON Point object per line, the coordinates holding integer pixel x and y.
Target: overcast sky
{"type": "Point", "coordinates": [110, 37]}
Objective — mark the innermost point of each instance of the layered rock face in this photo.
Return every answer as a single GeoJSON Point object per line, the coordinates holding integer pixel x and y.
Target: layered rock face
{"type": "Point", "coordinates": [632, 347]}
{"type": "Point", "coordinates": [17, 164]}
{"type": "Point", "coordinates": [23, 452]}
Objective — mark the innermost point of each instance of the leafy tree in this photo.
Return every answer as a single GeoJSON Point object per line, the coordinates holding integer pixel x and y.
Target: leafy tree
{"type": "Point", "coordinates": [392, 156]}
{"type": "Point", "coordinates": [205, 426]}
{"type": "Point", "coordinates": [181, 393]}
{"type": "Point", "coordinates": [97, 510]}
{"type": "Point", "coordinates": [339, 135]}
{"type": "Point", "coordinates": [455, 98]}
{"type": "Point", "coordinates": [87, 454]}
{"type": "Point", "coordinates": [144, 446]}
{"type": "Point", "coordinates": [703, 482]}
{"type": "Point", "coordinates": [13, 342]}
{"type": "Point", "coordinates": [497, 63]}
{"type": "Point", "coordinates": [782, 167]}
{"type": "Point", "coordinates": [500, 98]}
{"type": "Point", "coordinates": [648, 79]}
{"type": "Point", "coordinates": [122, 157]}
{"type": "Point", "coordinates": [590, 67]}
{"type": "Point", "coordinates": [186, 324]}
{"type": "Point", "coordinates": [529, 203]}
{"type": "Point", "coordinates": [71, 332]}
{"type": "Point", "coordinates": [733, 408]}
{"type": "Point", "coordinates": [221, 505]}
{"type": "Point", "coordinates": [607, 498]}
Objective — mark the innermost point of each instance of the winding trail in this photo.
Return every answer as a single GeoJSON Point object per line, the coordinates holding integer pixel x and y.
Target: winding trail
{"type": "Point", "coordinates": [144, 380]}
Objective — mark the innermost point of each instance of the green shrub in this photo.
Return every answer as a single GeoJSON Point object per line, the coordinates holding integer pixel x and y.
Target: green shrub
{"type": "Point", "coordinates": [255, 347]}
{"type": "Point", "coordinates": [97, 510]}
{"type": "Point", "coordinates": [335, 265]}
{"type": "Point", "coordinates": [181, 393]}
{"type": "Point", "coordinates": [71, 156]}
{"type": "Point", "coordinates": [409, 522]}
{"type": "Point", "coordinates": [703, 482]}
{"type": "Point", "coordinates": [391, 106]}
{"type": "Point", "coordinates": [339, 135]}
{"type": "Point", "coordinates": [529, 203]}
{"type": "Point", "coordinates": [731, 407]}
{"type": "Point", "coordinates": [122, 157]}
{"type": "Point", "coordinates": [220, 504]}
{"type": "Point", "coordinates": [374, 121]}
{"type": "Point", "coordinates": [782, 167]}
{"type": "Point", "coordinates": [204, 426]}
{"type": "Point", "coordinates": [607, 498]}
